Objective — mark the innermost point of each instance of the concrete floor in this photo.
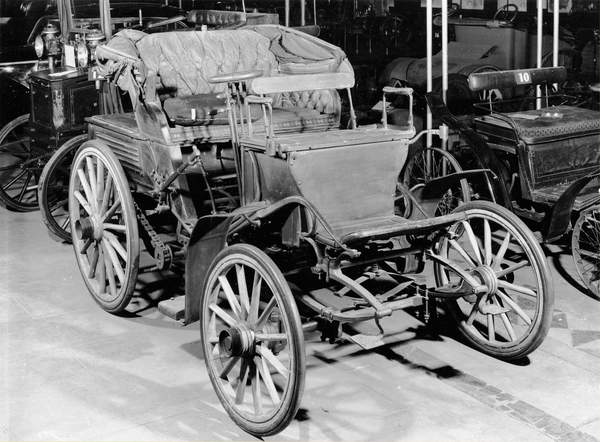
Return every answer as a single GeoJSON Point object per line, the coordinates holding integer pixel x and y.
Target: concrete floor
{"type": "Point", "coordinates": [69, 371]}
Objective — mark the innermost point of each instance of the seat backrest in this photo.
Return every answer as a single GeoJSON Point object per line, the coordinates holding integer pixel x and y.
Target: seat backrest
{"type": "Point", "coordinates": [184, 61]}
{"type": "Point", "coordinates": [517, 77]}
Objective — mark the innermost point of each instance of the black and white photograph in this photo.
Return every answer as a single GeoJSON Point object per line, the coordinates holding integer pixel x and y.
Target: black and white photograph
{"type": "Point", "coordinates": [300, 220]}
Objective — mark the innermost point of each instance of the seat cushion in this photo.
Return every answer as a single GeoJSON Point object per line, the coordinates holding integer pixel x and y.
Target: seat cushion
{"type": "Point", "coordinates": [201, 110]}
{"type": "Point", "coordinates": [184, 61]}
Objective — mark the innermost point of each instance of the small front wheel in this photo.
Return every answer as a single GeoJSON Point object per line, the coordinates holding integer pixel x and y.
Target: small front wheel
{"type": "Point", "coordinates": [252, 339]}
{"type": "Point", "coordinates": [493, 249]}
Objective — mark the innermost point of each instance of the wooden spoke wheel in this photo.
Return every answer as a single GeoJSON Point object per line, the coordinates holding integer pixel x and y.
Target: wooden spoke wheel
{"type": "Point", "coordinates": [104, 227]}
{"type": "Point", "coordinates": [417, 174]}
{"type": "Point", "coordinates": [252, 339]}
{"type": "Point", "coordinates": [493, 249]}
{"type": "Point", "coordinates": [53, 190]}
{"type": "Point", "coordinates": [585, 245]}
{"type": "Point", "coordinates": [20, 166]}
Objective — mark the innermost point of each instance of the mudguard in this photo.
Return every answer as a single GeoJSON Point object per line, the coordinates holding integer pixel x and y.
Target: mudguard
{"type": "Point", "coordinates": [437, 186]}
{"type": "Point", "coordinates": [485, 156]}
{"type": "Point", "coordinates": [208, 239]}
{"type": "Point", "coordinates": [560, 217]}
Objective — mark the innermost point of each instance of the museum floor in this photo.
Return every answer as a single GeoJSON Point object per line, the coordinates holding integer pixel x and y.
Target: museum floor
{"type": "Point", "coordinates": [70, 371]}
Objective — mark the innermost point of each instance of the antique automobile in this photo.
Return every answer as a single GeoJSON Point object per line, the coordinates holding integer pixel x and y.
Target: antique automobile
{"type": "Point", "coordinates": [544, 155]}
{"type": "Point", "coordinates": [61, 95]}
{"type": "Point", "coordinates": [477, 45]}
{"type": "Point", "coordinates": [237, 166]}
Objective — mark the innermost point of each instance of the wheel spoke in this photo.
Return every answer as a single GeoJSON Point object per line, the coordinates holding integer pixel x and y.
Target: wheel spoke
{"type": "Point", "coordinates": [102, 272]}
{"type": "Point", "coordinates": [255, 302]}
{"type": "Point", "coordinates": [83, 202]}
{"type": "Point", "coordinates": [268, 380]}
{"type": "Point", "coordinates": [231, 298]}
{"type": "Point", "coordinates": [268, 355]}
{"type": "Point", "coordinates": [228, 367]}
{"type": "Point", "coordinates": [58, 205]}
{"type": "Point", "coordinates": [512, 269]}
{"type": "Point", "coordinates": [106, 195]}
{"type": "Point", "coordinates": [93, 263]}
{"type": "Point", "coordinates": [14, 180]}
{"type": "Point", "coordinates": [109, 271]}
{"type": "Point", "coordinates": [487, 242]}
{"type": "Point", "coordinates": [501, 251]}
{"type": "Point", "coordinates": [265, 337]}
{"type": "Point", "coordinates": [243, 290]}
{"type": "Point", "coordinates": [462, 252]}
{"type": "Point", "coordinates": [92, 174]}
{"type": "Point", "coordinates": [513, 305]}
{"type": "Point", "coordinates": [114, 241]}
{"type": "Point", "coordinates": [508, 326]}
{"type": "Point", "coordinates": [491, 329]}
{"type": "Point", "coordinates": [517, 288]}
{"type": "Point", "coordinates": [86, 188]}
{"type": "Point", "coordinates": [24, 188]}
{"type": "Point", "coordinates": [475, 309]}
{"type": "Point", "coordinates": [256, 393]}
{"type": "Point", "coordinates": [111, 211]}
{"type": "Point", "coordinates": [115, 227]}
{"type": "Point", "coordinates": [99, 179]}
{"type": "Point", "coordinates": [242, 381]}
{"type": "Point", "coordinates": [265, 314]}
{"type": "Point", "coordinates": [223, 315]}
{"type": "Point", "coordinates": [115, 260]}
{"type": "Point", "coordinates": [472, 241]}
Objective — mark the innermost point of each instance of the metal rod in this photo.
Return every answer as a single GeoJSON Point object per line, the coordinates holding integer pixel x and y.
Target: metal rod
{"type": "Point", "coordinates": [444, 49]}
{"type": "Point", "coordinates": [287, 13]}
{"type": "Point", "coordinates": [429, 25]}
{"type": "Point", "coordinates": [555, 35]}
{"type": "Point", "coordinates": [540, 35]}
{"type": "Point", "coordinates": [302, 12]}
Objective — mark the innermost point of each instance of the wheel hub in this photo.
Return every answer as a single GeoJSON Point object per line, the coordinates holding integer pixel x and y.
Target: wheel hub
{"type": "Point", "coordinates": [487, 276]}
{"type": "Point", "coordinates": [237, 341]}
{"type": "Point", "coordinates": [88, 227]}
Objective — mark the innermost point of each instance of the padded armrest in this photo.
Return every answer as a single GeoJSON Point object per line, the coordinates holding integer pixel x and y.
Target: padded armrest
{"type": "Point", "coordinates": [297, 83]}
{"type": "Point", "coordinates": [214, 17]}
{"type": "Point", "coordinates": [508, 79]}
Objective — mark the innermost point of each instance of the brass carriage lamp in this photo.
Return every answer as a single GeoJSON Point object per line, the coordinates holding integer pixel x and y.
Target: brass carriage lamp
{"type": "Point", "coordinates": [48, 42]}
{"type": "Point", "coordinates": [92, 40]}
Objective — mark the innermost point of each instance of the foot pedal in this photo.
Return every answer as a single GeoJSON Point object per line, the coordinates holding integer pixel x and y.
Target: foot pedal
{"type": "Point", "coordinates": [367, 342]}
{"type": "Point", "coordinates": [174, 308]}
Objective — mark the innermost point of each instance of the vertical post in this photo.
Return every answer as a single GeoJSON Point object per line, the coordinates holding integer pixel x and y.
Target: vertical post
{"type": "Point", "coordinates": [444, 49]}
{"type": "Point", "coordinates": [287, 13]}
{"type": "Point", "coordinates": [444, 62]}
{"type": "Point", "coordinates": [540, 36]}
{"type": "Point", "coordinates": [302, 12]}
{"type": "Point", "coordinates": [429, 25]}
{"type": "Point", "coordinates": [555, 36]}
{"type": "Point", "coordinates": [315, 12]}
{"type": "Point", "coordinates": [105, 21]}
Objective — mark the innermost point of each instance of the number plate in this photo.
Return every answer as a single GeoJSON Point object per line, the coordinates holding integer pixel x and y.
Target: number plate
{"type": "Point", "coordinates": [523, 77]}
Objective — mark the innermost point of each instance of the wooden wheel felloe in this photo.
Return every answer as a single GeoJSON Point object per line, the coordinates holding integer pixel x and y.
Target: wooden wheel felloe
{"type": "Point", "coordinates": [53, 190]}
{"type": "Point", "coordinates": [20, 166]}
{"type": "Point", "coordinates": [511, 314]}
{"type": "Point", "coordinates": [585, 245]}
{"type": "Point", "coordinates": [252, 339]}
{"type": "Point", "coordinates": [441, 163]}
{"type": "Point", "coordinates": [104, 227]}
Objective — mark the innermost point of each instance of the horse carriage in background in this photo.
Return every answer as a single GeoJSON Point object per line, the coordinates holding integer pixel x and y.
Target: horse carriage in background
{"type": "Point", "coordinates": [543, 155]}
{"type": "Point", "coordinates": [233, 163]}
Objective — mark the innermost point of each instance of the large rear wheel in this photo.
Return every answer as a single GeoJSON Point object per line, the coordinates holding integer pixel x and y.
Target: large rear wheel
{"type": "Point", "coordinates": [104, 227]}
{"type": "Point", "coordinates": [252, 339]}
{"type": "Point", "coordinates": [510, 314]}
{"type": "Point", "coordinates": [585, 245]}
